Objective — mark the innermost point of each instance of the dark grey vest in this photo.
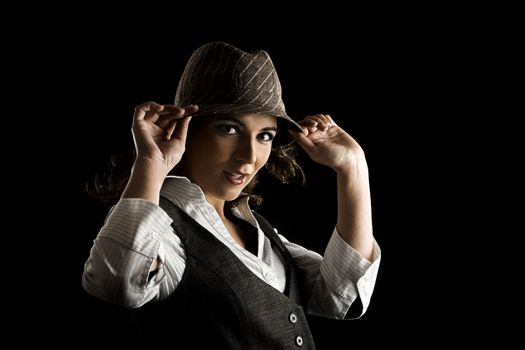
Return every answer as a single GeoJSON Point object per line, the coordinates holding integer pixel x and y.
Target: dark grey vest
{"type": "Point", "coordinates": [220, 303]}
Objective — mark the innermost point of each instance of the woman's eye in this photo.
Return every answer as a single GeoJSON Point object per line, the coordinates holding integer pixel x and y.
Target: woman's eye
{"type": "Point", "coordinates": [228, 129]}
{"type": "Point", "coordinates": [266, 136]}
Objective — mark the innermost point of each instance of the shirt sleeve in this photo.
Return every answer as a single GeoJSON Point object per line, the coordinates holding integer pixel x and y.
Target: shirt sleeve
{"type": "Point", "coordinates": [136, 232]}
{"type": "Point", "coordinates": [334, 281]}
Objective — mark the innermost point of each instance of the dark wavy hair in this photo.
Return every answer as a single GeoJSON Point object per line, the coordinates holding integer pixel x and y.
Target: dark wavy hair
{"type": "Point", "coordinates": [107, 185]}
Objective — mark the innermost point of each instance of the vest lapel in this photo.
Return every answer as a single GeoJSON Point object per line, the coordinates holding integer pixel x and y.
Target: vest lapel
{"type": "Point", "coordinates": [186, 227]}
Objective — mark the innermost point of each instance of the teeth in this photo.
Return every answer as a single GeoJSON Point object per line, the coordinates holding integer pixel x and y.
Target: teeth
{"type": "Point", "coordinates": [235, 176]}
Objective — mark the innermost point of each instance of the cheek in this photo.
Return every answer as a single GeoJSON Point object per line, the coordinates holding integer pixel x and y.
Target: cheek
{"type": "Point", "coordinates": [263, 155]}
{"type": "Point", "coordinates": [219, 149]}
{"type": "Point", "coordinates": [210, 152]}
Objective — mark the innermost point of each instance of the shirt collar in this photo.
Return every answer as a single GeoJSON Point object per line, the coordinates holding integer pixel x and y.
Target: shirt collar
{"type": "Point", "coordinates": [185, 194]}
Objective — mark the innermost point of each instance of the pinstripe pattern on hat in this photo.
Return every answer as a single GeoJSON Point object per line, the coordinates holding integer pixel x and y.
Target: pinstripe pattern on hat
{"type": "Point", "coordinates": [221, 78]}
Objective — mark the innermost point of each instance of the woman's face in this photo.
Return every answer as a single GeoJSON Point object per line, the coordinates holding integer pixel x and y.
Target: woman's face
{"type": "Point", "coordinates": [223, 153]}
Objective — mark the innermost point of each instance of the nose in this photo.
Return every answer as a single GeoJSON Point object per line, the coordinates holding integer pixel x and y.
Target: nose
{"type": "Point", "coordinates": [246, 151]}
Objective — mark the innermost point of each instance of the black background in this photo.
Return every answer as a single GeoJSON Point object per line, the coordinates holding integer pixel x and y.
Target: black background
{"type": "Point", "coordinates": [387, 81]}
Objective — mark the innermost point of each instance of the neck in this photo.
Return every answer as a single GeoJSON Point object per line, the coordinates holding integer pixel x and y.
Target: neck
{"type": "Point", "coordinates": [218, 204]}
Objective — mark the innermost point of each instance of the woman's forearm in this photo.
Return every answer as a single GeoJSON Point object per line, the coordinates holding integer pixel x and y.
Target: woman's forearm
{"type": "Point", "coordinates": [354, 212]}
{"type": "Point", "coordinates": [147, 177]}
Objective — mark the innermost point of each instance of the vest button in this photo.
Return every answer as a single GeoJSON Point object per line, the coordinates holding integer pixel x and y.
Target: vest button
{"type": "Point", "coordinates": [292, 317]}
{"type": "Point", "coordinates": [299, 340]}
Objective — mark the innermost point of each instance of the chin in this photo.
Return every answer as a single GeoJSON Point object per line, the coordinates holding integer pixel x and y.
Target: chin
{"type": "Point", "coordinates": [231, 195]}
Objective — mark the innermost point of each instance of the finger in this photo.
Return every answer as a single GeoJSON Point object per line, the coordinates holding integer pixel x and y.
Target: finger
{"type": "Point", "coordinates": [320, 118]}
{"type": "Point", "coordinates": [308, 118]}
{"type": "Point", "coordinates": [191, 109]}
{"type": "Point", "coordinates": [327, 120]}
{"type": "Point", "coordinates": [142, 109]}
{"type": "Point", "coordinates": [187, 110]}
{"type": "Point", "coordinates": [168, 117]}
{"type": "Point", "coordinates": [322, 122]}
{"type": "Point", "coordinates": [302, 140]}
{"type": "Point", "coordinates": [309, 125]}
{"type": "Point", "coordinates": [166, 121]}
{"type": "Point", "coordinates": [154, 113]}
{"type": "Point", "coordinates": [323, 117]}
{"type": "Point", "coordinates": [169, 128]}
{"type": "Point", "coordinates": [181, 129]}
{"type": "Point", "coordinates": [171, 109]}
{"type": "Point", "coordinates": [308, 121]}
{"type": "Point", "coordinates": [152, 116]}
{"type": "Point", "coordinates": [330, 119]}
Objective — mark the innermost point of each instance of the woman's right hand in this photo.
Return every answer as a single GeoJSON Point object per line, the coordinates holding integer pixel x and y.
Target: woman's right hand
{"type": "Point", "coordinates": [159, 132]}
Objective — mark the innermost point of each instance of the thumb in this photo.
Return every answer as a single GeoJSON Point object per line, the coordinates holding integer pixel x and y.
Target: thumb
{"type": "Point", "coordinates": [181, 129]}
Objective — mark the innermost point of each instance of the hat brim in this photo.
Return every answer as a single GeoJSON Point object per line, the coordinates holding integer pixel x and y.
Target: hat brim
{"type": "Point", "coordinates": [244, 108]}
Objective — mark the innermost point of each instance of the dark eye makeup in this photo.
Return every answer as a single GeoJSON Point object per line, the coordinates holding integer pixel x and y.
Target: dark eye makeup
{"type": "Point", "coordinates": [231, 129]}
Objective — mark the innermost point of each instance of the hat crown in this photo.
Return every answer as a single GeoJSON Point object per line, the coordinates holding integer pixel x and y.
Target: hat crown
{"type": "Point", "coordinates": [219, 75]}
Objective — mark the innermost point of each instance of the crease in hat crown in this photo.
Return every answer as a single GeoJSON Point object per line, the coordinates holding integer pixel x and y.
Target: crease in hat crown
{"type": "Point", "coordinates": [222, 78]}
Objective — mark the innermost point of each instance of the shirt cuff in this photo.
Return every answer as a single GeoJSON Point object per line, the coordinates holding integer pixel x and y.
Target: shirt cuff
{"type": "Point", "coordinates": [136, 224]}
{"type": "Point", "coordinates": [345, 270]}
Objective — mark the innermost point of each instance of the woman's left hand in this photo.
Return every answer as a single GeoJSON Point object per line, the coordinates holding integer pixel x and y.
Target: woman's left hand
{"type": "Point", "coordinates": [328, 144]}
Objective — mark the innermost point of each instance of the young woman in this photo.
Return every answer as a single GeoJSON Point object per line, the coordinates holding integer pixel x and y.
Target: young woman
{"type": "Point", "coordinates": [187, 250]}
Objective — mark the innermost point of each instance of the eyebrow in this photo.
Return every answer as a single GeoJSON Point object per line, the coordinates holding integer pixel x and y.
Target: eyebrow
{"type": "Point", "coordinates": [241, 124]}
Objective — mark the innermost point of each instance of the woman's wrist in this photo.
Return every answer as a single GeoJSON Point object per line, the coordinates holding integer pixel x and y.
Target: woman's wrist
{"type": "Point", "coordinates": [154, 168]}
{"type": "Point", "coordinates": [354, 169]}
{"type": "Point", "coordinates": [147, 177]}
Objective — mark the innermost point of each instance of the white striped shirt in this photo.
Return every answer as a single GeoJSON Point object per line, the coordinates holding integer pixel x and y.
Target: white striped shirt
{"type": "Point", "coordinates": [137, 232]}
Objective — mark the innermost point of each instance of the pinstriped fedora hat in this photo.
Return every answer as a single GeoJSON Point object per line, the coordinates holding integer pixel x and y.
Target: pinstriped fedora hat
{"type": "Point", "coordinates": [223, 79]}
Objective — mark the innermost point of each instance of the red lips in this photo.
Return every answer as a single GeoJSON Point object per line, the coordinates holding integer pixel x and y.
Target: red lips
{"type": "Point", "coordinates": [236, 177]}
